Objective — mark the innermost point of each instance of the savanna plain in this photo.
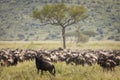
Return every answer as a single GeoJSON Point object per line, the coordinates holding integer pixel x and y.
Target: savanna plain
{"type": "Point", "coordinates": [27, 70]}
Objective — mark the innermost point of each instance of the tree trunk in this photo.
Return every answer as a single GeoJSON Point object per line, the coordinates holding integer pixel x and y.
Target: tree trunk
{"type": "Point", "coordinates": [64, 38]}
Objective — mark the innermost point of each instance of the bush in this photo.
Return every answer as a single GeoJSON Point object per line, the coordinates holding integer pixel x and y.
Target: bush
{"type": "Point", "coordinates": [83, 38]}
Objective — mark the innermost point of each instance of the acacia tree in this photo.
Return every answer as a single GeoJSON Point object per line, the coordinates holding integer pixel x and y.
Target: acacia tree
{"type": "Point", "coordinates": [60, 15]}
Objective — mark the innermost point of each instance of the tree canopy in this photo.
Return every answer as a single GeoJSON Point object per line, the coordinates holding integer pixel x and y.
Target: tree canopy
{"type": "Point", "coordinates": [61, 15]}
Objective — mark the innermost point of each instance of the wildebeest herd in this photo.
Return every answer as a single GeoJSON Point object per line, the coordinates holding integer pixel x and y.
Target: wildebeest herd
{"type": "Point", "coordinates": [44, 59]}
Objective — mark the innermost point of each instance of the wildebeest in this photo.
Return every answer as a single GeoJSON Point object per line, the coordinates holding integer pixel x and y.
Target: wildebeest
{"type": "Point", "coordinates": [9, 62]}
{"type": "Point", "coordinates": [107, 62]}
{"type": "Point", "coordinates": [107, 59]}
{"type": "Point", "coordinates": [44, 65]}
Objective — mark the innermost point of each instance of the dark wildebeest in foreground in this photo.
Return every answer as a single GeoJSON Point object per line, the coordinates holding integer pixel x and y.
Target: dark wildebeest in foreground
{"type": "Point", "coordinates": [44, 65]}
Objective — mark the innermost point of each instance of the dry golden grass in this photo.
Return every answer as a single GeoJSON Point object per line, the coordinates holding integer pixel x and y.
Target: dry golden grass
{"type": "Point", "coordinates": [56, 44]}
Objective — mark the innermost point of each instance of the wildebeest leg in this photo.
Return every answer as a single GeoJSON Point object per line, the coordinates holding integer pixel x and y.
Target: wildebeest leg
{"type": "Point", "coordinates": [104, 69]}
{"type": "Point", "coordinates": [107, 69]}
{"type": "Point", "coordinates": [41, 72]}
{"type": "Point", "coordinates": [82, 64]}
{"type": "Point", "coordinates": [52, 70]}
{"type": "Point", "coordinates": [38, 71]}
{"type": "Point", "coordinates": [110, 69]}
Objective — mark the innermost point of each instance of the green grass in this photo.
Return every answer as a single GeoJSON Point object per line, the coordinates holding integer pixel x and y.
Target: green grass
{"type": "Point", "coordinates": [27, 71]}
